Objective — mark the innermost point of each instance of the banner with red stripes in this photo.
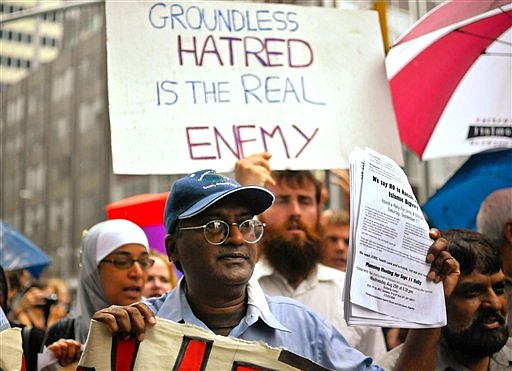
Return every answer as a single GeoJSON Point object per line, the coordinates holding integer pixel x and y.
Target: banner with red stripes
{"type": "Point", "coordinates": [180, 347]}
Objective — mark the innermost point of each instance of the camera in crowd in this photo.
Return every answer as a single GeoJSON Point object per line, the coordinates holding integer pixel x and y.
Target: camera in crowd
{"type": "Point", "coordinates": [49, 300]}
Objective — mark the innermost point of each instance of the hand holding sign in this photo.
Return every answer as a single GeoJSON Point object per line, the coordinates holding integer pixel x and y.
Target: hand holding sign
{"type": "Point", "coordinates": [254, 170]}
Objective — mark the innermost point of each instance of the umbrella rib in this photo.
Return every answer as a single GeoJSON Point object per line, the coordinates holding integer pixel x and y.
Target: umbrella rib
{"type": "Point", "coordinates": [505, 11]}
{"type": "Point", "coordinates": [495, 54]}
{"type": "Point", "coordinates": [482, 37]}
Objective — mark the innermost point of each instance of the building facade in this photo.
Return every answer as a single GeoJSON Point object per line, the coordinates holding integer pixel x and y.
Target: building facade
{"type": "Point", "coordinates": [29, 42]}
{"type": "Point", "coordinates": [55, 151]}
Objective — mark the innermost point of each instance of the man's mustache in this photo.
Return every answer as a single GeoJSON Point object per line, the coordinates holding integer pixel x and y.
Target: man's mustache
{"type": "Point", "coordinates": [487, 313]}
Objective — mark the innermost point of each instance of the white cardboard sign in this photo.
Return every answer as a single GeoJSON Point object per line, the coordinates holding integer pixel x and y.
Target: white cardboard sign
{"type": "Point", "coordinates": [196, 85]}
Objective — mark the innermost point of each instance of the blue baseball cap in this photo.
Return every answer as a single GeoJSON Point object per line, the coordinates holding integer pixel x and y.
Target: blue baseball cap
{"type": "Point", "coordinates": [196, 192]}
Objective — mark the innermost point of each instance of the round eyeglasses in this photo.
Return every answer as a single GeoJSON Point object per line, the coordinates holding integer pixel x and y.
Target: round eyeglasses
{"type": "Point", "coordinates": [217, 232]}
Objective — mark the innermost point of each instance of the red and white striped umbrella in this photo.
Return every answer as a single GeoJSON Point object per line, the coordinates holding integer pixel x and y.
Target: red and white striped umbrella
{"type": "Point", "coordinates": [450, 77]}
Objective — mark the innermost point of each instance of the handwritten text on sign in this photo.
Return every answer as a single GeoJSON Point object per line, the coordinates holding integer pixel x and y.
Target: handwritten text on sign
{"type": "Point", "coordinates": [204, 84]}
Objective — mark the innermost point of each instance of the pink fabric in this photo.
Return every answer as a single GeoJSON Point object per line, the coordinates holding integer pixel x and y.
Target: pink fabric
{"type": "Point", "coordinates": [450, 12]}
{"type": "Point", "coordinates": [156, 237]}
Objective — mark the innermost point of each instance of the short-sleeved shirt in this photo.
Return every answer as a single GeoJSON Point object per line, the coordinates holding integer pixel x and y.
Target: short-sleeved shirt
{"type": "Point", "coordinates": [277, 321]}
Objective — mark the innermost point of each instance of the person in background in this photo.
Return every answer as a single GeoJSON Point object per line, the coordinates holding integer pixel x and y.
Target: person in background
{"type": "Point", "coordinates": [476, 335]}
{"type": "Point", "coordinates": [494, 219]}
{"type": "Point", "coordinates": [335, 234]}
{"type": "Point", "coordinates": [43, 303]}
{"type": "Point", "coordinates": [161, 277]}
{"type": "Point", "coordinates": [113, 267]}
{"type": "Point", "coordinates": [212, 238]}
{"type": "Point", "coordinates": [57, 291]}
{"type": "Point", "coordinates": [291, 249]}
{"type": "Point", "coordinates": [20, 280]}
{"type": "Point", "coordinates": [33, 307]}
{"type": "Point", "coordinates": [31, 337]}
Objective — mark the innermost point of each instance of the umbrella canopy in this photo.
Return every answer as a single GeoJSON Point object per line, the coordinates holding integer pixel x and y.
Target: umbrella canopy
{"type": "Point", "coordinates": [147, 211]}
{"type": "Point", "coordinates": [457, 202]}
{"type": "Point", "coordinates": [18, 252]}
{"type": "Point", "coordinates": [450, 77]}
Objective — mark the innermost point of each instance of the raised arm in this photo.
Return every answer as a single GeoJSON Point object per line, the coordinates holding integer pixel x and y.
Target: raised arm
{"type": "Point", "coordinates": [254, 170]}
{"type": "Point", "coordinates": [419, 349]}
{"type": "Point", "coordinates": [341, 178]}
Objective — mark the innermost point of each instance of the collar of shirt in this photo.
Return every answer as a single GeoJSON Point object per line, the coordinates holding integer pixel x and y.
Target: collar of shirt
{"type": "Point", "coordinates": [174, 305]}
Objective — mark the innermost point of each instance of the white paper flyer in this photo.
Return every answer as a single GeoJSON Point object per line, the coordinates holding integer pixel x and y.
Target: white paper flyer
{"type": "Point", "coordinates": [386, 281]}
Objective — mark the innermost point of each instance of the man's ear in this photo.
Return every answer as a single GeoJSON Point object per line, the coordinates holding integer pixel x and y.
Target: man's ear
{"type": "Point", "coordinates": [507, 231]}
{"type": "Point", "coordinates": [170, 247]}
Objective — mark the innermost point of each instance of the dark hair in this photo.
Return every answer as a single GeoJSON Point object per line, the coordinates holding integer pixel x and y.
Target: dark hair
{"type": "Point", "coordinates": [297, 179]}
{"type": "Point", "coordinates": [3, 290]}
{"type": "Point", "coordinates": [14, 278]}
{"type": "Point", "coordinates": [473, 251]}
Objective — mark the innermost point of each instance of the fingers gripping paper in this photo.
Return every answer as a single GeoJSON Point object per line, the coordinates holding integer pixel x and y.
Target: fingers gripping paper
{"type": "Point", "coordinates": [173, 346]}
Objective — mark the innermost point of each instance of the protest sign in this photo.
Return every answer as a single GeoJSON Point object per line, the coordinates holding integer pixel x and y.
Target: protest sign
{"type": "Point", "coordinates": [173, 346]}
{"type": "Point", "coordinates": [196, 85]}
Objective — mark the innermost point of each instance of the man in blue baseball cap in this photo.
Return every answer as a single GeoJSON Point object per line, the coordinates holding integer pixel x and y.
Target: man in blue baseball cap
{"type": "Point", "coordinates": [212, 237]}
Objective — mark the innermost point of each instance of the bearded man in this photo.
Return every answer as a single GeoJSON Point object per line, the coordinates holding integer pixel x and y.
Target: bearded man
{"type": "Point", "coordinates": [476, 335]}
{"type": "Point", "coordinates": [494, 219]}
{"type": "Point", "coordinates": [290, 251]}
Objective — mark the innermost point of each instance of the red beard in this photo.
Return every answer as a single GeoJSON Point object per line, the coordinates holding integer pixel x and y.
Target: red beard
{"type": "Point", "coordinates": [295, 256]}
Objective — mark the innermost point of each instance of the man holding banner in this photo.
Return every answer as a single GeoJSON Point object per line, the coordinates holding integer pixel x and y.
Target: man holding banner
{"type": "Point", "coordinates": [212, 237]}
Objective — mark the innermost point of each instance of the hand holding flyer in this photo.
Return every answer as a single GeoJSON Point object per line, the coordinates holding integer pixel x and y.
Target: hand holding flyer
{"type": "Point", "coordinates": [386, 281]}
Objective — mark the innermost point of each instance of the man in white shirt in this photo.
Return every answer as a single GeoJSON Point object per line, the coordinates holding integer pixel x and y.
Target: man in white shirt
{"type": "Point", "coordinates": [290, 254]}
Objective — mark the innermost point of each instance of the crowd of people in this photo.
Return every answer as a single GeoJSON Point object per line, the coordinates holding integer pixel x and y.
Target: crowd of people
{"type": "Point", "coordinates": [108, 275]}
{"type": "Point", "coordinates": [262, 259]}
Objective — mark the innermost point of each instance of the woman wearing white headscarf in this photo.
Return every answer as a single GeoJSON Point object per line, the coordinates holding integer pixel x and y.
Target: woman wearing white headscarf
{"type": "Point", "coordinates": [108, 276]}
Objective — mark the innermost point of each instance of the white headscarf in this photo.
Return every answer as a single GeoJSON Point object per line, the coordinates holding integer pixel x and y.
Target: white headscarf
{"type": "Point", "coordinates": [97, 243]}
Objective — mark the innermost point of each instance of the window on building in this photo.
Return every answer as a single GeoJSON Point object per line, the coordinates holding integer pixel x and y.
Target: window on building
{"type": "Point", "coordinates": [88, 114]}
{"type": "Point", "coordinates": [50, 17]}
{"type": "Point", "coordinates": [62, 84]}
{"type": "Point", "coordinates": [62, 127]}
{"type": "Point", "coordinates": [15, 109]}
{"type": "Point", "coordinates": [34, 102]}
